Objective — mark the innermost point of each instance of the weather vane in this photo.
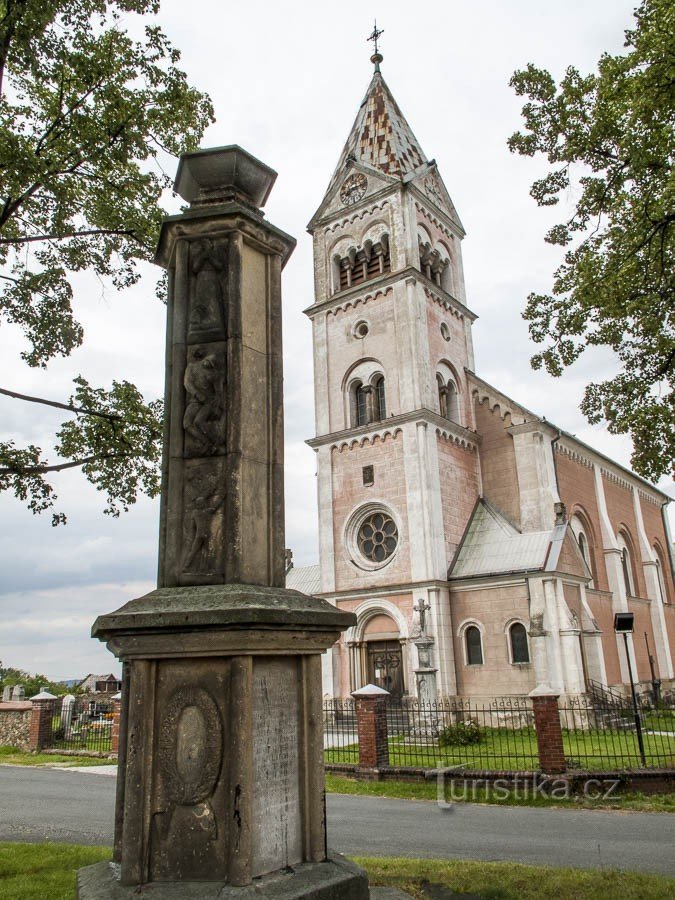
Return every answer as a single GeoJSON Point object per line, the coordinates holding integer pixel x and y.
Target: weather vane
{"type": "Point", "coordinates": [375, 35]}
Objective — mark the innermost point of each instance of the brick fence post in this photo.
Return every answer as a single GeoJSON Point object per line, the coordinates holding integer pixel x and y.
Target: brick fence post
{"type": "Point", "coordinates": [40, 732]}
{"type": "Point", "coordinates": [115, 739]}
{"type": "Point", "coordinates": [371, 723]}
{"type": "Point", "coordinates": [549, 732]}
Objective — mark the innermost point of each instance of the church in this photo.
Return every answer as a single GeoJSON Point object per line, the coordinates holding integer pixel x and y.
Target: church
{"type": "Point", "coordinates": [448, 511]}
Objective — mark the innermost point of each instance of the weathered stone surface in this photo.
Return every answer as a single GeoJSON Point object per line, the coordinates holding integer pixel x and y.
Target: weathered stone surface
{"type": "Point", "coordinates": [220, 789]}
{"type": "Point", "coordinates": [277, 814]}
{"type": "Point", "coordinates": [334, 879]}
{"type": "Point", "coordinates": [223, 605]}
{"type": "Point", "coordinates": [15, 724]}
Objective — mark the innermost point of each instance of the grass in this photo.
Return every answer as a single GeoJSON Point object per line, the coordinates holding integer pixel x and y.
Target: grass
{"type": "Point", "coordinates": [40, 871]}
{"type": "Point", "coordinates": [509, 749]}
{"type": "Point", "coordinates": [13, 756]}
{"type": "Point", "coordinates": [413, 790]}
{"type": "Point", "coordinates": [503, 881]}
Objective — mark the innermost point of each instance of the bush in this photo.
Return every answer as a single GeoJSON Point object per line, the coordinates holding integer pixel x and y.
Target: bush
{"type": "Point", "coordinates": [461, 734]}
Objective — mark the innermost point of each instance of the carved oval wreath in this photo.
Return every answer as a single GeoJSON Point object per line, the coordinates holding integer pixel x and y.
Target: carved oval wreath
{"type": "Point", "coordinates": [190, 745]}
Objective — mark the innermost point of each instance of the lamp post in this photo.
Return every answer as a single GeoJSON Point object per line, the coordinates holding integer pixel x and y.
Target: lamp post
{"type": "Point", "coordinates": [623, 624]}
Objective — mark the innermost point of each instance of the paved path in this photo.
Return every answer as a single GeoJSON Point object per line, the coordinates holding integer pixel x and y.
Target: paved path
{"type": "Point", "coordinates": [76, 807]}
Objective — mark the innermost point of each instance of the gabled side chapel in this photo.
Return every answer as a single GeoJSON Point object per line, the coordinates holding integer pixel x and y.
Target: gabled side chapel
{"type": "Point", "coordinates": [435, 486]}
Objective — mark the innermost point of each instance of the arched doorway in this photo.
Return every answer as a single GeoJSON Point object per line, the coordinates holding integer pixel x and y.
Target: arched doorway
{"type": "Point", "coordinates": [384, 654]}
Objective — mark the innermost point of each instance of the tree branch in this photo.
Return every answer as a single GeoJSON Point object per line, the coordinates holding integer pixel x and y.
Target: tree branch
{"type": "Point", "coordinates": [62, 237]}
{"type": "Point", "coordinates": [59, 467]}
{"type": "Point", "coordinates": [78, 410]}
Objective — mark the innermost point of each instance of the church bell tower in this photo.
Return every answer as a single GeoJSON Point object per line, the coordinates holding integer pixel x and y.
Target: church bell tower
{"type": "Point", "coordinates": [398, 473]}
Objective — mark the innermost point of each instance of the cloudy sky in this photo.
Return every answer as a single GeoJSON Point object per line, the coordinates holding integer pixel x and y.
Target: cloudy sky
{"type": "Point", "coordinates": [286, 81]}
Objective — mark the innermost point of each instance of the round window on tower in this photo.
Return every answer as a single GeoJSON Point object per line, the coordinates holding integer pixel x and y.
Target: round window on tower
{"type": "Point", "coordinates": [372, 536]}
{"type": "Point", "coordinates": [360, 329]}
{"type": "Point", "coordinates": [445, 331]}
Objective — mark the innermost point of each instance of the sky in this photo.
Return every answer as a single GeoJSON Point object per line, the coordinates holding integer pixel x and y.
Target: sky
{"type": "Point", "coordinates": [286, 81]}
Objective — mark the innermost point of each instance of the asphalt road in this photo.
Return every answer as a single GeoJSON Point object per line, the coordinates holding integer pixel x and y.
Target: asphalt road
{"type": "Point", "coordinates": [77, 807]}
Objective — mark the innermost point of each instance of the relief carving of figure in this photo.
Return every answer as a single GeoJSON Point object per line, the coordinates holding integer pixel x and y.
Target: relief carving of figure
{"type": "Point", "coordinates": [206, 309]}
{"type": "Point", "coordinates": [204, 417]}
{"type": "Point", "coordinates": [203, 530]}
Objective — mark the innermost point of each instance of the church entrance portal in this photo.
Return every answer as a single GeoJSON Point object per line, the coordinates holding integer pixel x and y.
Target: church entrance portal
{"type": "Point", "coordinates": [385, 666]}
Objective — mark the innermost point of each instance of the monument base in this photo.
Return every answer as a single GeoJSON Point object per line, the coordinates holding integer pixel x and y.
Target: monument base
{"type": "Point", "coordinates": [334, 879]}
{"type": "Point", "coordinates": [221, 779]}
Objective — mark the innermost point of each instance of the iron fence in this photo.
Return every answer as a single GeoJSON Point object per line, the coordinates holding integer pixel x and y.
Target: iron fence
{"type": "Point", "coordinates": [605, 733]}
{"type": "Point", "coordinates": [340, 734]}
{"type": "Point", "coordinates": [497, 735]}
{"type": "Point", "coordinates": [84, 724]}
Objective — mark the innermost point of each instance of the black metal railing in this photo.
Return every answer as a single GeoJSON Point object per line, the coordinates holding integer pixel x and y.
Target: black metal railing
{"type": "Point", "coordinates": [84, 724]}
{"type": "Point", "coordinates": [340, 735]}
{"type": "Point", "coordinates": [601, 733]}
{"type": "Point", "coordinates": [497, 735]}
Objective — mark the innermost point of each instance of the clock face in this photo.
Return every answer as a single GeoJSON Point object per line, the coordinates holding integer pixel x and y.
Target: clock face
{"type": "Point", "coordinates": [432, 188]}
{"type": "Point", "coordinates": [353, 188]}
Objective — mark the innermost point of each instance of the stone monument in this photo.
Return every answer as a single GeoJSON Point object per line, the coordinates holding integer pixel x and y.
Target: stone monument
{"type": "Point", "coordinates": [220, 791]}
{"type": "Point", "coordinates": [427, 724]}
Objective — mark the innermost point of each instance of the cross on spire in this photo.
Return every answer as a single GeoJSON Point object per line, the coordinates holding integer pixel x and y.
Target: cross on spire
{"type": "Point", "coordinates": [374, 36]}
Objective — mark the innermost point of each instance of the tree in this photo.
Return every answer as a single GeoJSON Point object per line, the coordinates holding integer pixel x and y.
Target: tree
{"type": "Point", "coordinates": [32, 684]}
{"type": "Point", "coordinates": [85, 111]}
{"type": "Point", "coordinates": [610, 134]}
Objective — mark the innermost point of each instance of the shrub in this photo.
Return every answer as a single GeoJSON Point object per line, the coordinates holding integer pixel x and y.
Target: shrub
{"type": "Point", "coordinates": [461, 734]}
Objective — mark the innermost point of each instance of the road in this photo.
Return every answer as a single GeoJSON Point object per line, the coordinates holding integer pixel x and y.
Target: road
{"type": "Point", "coordinates": [77, 807]}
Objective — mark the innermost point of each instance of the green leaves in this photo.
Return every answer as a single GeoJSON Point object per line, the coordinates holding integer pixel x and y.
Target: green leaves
{"type": "Point", "coordinates": [612, 134]}
{"type": "Point", "coordinates": [115, 440]}
{"type": "Point", "coordinates": [85, 110]}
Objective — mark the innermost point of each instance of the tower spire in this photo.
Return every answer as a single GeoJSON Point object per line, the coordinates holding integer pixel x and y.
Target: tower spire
{"type": "Point", "coordinates": [376, 58]}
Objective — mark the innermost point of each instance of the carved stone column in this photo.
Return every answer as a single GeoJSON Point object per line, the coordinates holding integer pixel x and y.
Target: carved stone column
{"type": "Point", "coordinates": [221, 745]}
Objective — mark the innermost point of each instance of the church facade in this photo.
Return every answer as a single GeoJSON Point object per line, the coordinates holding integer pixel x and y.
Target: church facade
{"type": "Point", "coordinates": [439, 493]}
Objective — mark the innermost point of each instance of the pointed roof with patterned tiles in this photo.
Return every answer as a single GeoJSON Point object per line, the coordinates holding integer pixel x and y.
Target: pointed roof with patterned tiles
{"type": "Point", "coordinates": [380, 137]}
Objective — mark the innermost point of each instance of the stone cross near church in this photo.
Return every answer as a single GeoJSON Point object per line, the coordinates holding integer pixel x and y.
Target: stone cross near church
{"type": "Point", "coordinates": [221, 731]}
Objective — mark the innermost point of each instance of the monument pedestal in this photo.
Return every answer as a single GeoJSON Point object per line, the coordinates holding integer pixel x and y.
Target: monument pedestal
{"type": "Point", "coordinates": [221, 781]}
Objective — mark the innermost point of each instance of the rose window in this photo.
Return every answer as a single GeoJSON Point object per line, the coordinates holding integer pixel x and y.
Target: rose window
{"type": "Point", "coordinates": [378, 537]}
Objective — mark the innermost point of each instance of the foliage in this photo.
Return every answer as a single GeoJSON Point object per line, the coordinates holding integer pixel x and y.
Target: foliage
{"type": "Point", "coordinates": [32, 683]}
{"type": "Point", "coordinates": [85, 112]}
{"type": "Point", "coordinates": [460, 735]}
{"type": "Point", "coordinates": [609, 139]}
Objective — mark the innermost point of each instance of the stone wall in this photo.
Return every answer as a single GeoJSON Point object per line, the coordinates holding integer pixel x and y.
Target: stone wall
{"type": "Point", "coordinates": [15, 724]}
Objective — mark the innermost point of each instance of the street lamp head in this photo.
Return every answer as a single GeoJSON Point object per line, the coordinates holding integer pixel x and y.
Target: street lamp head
{"type": "Point", "coordinates": [623, 622]}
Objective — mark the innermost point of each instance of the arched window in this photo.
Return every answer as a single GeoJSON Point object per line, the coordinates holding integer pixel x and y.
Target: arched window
{"type": "Point", "coordinates": [580, 532]}
{"type": "Point", "coordinates": [474, 646]}
{"type": "Point", "coordinates": [363, 263]}
{"type": "Point", "coordinates": [520, 652]}
{"type": "Point", "coordinates": [661, 569]}
{"type": "Point", "coordinates": [379, 404]}
{"type": "Point", "coordinates": [448, 398]}
{"type": "Point", "coordinates": [627, 566]}
{"type": "Point", "coordinates": [359, 404]}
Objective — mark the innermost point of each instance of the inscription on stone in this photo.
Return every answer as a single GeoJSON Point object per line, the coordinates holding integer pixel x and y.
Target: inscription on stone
{"type": "Point", "coordinates": [277, 824]}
